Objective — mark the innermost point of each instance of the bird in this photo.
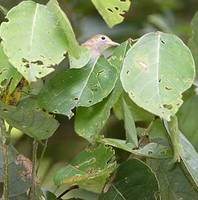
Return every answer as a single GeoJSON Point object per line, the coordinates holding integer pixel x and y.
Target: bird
{"type": "Point", "coordinates": [91, 50]}
{"type": "Point", "coordinates": [97, 44]}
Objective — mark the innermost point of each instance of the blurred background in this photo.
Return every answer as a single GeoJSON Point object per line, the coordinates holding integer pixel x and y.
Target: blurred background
{"type": "Point", "coordinates": [144, 16]}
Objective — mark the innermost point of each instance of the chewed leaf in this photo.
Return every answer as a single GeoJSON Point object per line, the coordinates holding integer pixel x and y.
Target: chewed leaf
{"type": "Point", "coordinates": [89, 169]}
{"type": "Point", "coordinates": [156, 71]}
{"type": "Point", "coordinates": [112, 11]}
{"type": "Point", "coordinates": [34, 40]}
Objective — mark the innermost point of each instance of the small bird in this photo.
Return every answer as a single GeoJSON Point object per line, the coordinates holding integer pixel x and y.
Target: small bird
{"type": "Point", "coordinates": [98, 43]}
{"type": "Point", "coordinates": [91, 50]}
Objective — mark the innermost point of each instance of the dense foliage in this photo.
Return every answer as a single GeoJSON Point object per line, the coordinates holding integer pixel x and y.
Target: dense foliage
{"type": "Point", "coordinates": [148, 83]}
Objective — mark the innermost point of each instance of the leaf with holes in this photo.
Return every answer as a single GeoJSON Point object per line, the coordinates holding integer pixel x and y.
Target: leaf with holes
{"type": "Point", "coordinates": [193, 42]}
{"type": "Point", "coordinates": [112, 11]}
{"type": "Point", "coordinates": [133, 180]}
{"type": "Point", "coordinates": [156, 70]}
{"type": "Point", "coordinates": [90, 121]}
{"type": "Point", "coordinates": [78, 87]}
{"type": "Point", "coordinates": [35, 123]}
{"type": "Point", "coordinates": [34, 38]}
{"type": "Point", "coordinates": [8, 73]}
{"type": "Point", "coordinates": [89, 169]}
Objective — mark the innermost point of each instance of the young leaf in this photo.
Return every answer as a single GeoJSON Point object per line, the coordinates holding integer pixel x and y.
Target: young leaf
{"type": "Point", "coordinates": [193, 42]}
{"type": "Point", "coordinates": [112, 11]}
{"type": "Point", "coordinates": [156, 70]}
{"type": "Point", "coordinates": [78, 87]}
{"type": "Point", "coordinates": [35, 123]}
{"type": "Point", "coordinates": [129, 124]}
{"type": "Point", "coordinates": [89, 169]}
{"type": "Point", "coordinates": [134, 180]}
{"type": "Point", "coordinates": [34, 40]}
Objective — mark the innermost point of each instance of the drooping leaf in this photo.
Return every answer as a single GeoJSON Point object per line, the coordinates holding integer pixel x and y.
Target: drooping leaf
{"type": "Point", "coordinates": [129, 124]}
{"type": "Point", "coordinates": [187, 118]}
{"type": "Point", "coordinates": [90, 121]}
{"type": "Point", "coordinates": [35, 123]}
{"type": "Point", "coordinates": [35, 39]}
{"type": "Point", "coordinates": [172, 181]}
{"type": "Point", "coordinates": [72, 45]}
{"type": "Point", "coordinates": [134, 180]}
{"type": "Point", "coordinates": [112, 11]}
{"type": "Point", "coordinates": [156, 70]}
{"type": "Point", "coordinates": [78, 87]}
{"type": "Point", "coordinates": [188, 155]}
{"type": "Point", "coordinates": [193, 42]}
{"type": "Point", "coordinates": [151, 150]}
{"type": "Point", "coordinates": [89, 169]}
{"type": "Point", "coordinates": [8, 72]}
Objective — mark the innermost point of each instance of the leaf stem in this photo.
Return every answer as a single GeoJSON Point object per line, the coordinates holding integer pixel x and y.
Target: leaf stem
{"type": "Point", "coordinates": [34, 163]}
{"type": "Point", "coordinates": [4, 137]}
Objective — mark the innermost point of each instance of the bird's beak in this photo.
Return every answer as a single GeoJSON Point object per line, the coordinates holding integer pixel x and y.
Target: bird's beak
{"type": "Point", "coordinates": [112, 43]}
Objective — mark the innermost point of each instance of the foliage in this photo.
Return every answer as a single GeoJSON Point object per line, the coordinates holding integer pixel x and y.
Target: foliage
{"type": "Point", "coordinates": [146, 85]}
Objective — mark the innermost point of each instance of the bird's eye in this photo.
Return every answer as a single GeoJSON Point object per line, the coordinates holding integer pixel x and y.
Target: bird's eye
{"type": "Point", "coordinates": [103, 38]}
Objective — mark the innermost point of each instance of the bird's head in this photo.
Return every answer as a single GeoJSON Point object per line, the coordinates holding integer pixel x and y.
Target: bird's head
{"type": "Point", "coordinates": [99, 43]}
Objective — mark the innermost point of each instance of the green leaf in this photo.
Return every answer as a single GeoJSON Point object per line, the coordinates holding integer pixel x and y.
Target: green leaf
{"type": "Point", "coordinates": [139, 114]}
{"type": "Point", "coordinates": [134, 180]}
{"type": "Point", "coordinates": [89, 169]}
{"type": "Point", "coordinates": [112, 11]}
{"type": "Point", "coordinates": [129, 124]}
{"type": "Point", "coordinates": [173, 183]}
{"type": "Point", "coordinates": [64, 23]}
{"type": "Point", "coordinates": [40, 40]}
{"type": "Point", "coordinates": [151, 150]}
{"type": "Point", "coordinates": [8, 73]}
{"type": "Point", "coordinates": [35, 123]}
{"type": "Point", "coordinates": [193, 42]}
{"type": "Point", "coordinates": [187, 118]}
{"type": "Point", "coordinates": [78, 87]}
{"type": "Point", "coordinates": [156, 70]}
{"type": "Point", "coordinates": [90, 121]}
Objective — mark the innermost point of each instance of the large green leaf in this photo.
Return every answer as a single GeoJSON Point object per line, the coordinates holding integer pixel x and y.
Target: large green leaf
{"type": "Point", "coordinates": [187, 117]}
{"type": "Point", "coordinates": [112, 11]}
{"type": "Point", "coordinates": [78, 87]}
{"type": "Point", "coordinates": [35, 123]}
{"type": "Point", "coordinates": [35, 39]}
{"type": "Point", "coordinates": [193, 42]}
{"type": "Point", "coordinates": [89, 169]}
{"type": "Point", "coordinates": [134, 180]}
{"type": "Point", "coordinates": [8, 72]}
{"type": "Point", "coordinates": [90, 121]}
{"type": "Point", "coordinates": [173, 183]}
{"type": "Point", "coordinates": [156, 70]}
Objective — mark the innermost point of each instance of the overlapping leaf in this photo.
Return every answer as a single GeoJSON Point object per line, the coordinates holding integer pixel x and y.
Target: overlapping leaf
{"type": "Point", "coordinates": [36, 38]}
{"type": "Point", "coordinates": [89, 169]}
{"type": "Point", "coordinates": [78, 87]}
{"type": "Point", "coordinates": [112, 10]}
{"type": "Point", "coordinates": [134, 180]}
{"type": "Point", "coordinates": [156, 70]}
{"type": "Point", "coordinates": [90, 121]}
{"type": "Point", "coordinates": [35, 123]}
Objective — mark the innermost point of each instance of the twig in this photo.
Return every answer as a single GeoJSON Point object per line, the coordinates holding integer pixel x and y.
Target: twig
{"type": "Point", "coordinates": [5, 160]}
{"type": "Point", "coordinates": [42, 155]}
{"type": "Point", "coordinates": [34, 163]}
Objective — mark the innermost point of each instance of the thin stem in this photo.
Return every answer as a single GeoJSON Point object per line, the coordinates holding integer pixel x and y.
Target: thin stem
{"type": "Point", "coordinates": [5, 160]}
{"type": "Point", "coordinates": [34, 163]}
{"type": "Point", "coordinates": [42, 155]}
